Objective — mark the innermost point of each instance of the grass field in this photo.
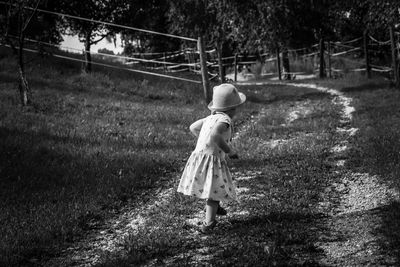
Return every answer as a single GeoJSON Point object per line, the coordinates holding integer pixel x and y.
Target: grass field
{"type": "Point", "coordinates": [87, 145]}
{"type": "Point", "coordinates": [93, 143]}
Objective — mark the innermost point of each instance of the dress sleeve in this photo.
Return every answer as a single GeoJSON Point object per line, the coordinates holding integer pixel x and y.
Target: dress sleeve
{"type": "Point", "coordinates": [225, 119]}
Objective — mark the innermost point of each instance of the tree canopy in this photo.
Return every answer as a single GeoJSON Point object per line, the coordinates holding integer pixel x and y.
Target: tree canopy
{"type": "Point", "coordinates": [234, 24]}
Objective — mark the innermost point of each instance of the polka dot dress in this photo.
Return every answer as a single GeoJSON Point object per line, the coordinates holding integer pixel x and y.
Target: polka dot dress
{"type": "Point", "coordinates": [206, 174]}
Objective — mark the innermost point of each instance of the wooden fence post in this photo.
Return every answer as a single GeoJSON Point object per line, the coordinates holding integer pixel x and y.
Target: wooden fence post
{"type": "Point", "coordinates": [165, 64]}
{"type": "Point", "coordinates": [236, 66]}
{"type": "Point", "coordinates": [394, 59]}
{"type": "Point", "coordinates": [367, 66]}
{"type": "Point", "coordinates": [321, 58]}
{"type": "Point", "coordinates": [188, 59]}
{"type": "Point", "coordinates": [204, 70]}
{"type": "Point", "coordinates": [329, 60]}
{"type": "Point", "coordinates": [278, 63]}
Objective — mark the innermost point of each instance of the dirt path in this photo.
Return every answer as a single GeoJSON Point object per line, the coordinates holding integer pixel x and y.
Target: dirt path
{"type": "Point", "coordinates": [353, 204]}
{"type": "Point", "coordinates": [344, 236]}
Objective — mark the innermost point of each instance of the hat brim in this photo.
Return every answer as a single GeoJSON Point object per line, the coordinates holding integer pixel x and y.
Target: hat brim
{"type": "Point", "coordinates": [242, 100]}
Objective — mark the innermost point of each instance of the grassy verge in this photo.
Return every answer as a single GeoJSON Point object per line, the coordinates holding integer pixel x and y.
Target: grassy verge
{"type": "Point", "coordinates": [378, 144]}
{"type": "Point", "coordinates": [88, 145]}
{"type": "Point", "coordinates": [376, 150]}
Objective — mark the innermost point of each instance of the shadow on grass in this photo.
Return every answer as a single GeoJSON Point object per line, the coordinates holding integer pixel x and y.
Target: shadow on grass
{"type": "Point", "coordinates": [4, 78]}
{"type": "Point", "coordinates": [51, 190]}
{"type": "Point", "coordinates": [276, 238]}
{"type": "Point", "coordinates": [376, 151]}
{"type": "Point", "coordinates": [390, 216]}
{"type": "Point", "coordinates": [367, 87]}
{"type": "Point", "coordinates": [269, 99]}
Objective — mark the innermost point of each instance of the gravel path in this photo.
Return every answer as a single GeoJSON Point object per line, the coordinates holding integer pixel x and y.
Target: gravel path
{"type": "Point", "coordinates": [353, 203]}
{"type": "Point", "coordinates": [108, 238]}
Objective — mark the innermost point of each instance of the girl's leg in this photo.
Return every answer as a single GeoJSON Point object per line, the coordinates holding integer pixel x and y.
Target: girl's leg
{"type": "Point", "coordinates": [211, 210]}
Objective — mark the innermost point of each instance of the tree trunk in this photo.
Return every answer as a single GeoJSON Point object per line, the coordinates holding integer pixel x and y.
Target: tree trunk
{"type": "Point", "coordinates": [236, 67]}
{"type": "Point", "coordinates": [366, 56]}
{"type": "Point", "coordinates": [286, 65]}
{"type": "Point", "coordinates": [329, 60]}
{"type": "Point", "coordinates": [88, 57]}
{"type": "Point", "coordinates": [23, 86]}
{"type": "Point", "coordinates": [204, 70]}
{"type": "Point", "coordinates": [220, 63]}
{"type": "Point", "coordinates": [278, 63]}
{"type": "Point", "coordinates": [394, 58]}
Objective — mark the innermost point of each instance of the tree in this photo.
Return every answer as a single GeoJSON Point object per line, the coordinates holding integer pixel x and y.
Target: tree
{"type": "Point", "coordinates": [382, 14]}
{"type": "Point", "coordinates": [213, 20]}
{"type": "Point", "coordinates": [223, 34]}
{"type": "Point", "coordinates": [350, 18]}
{"type": "Point", "coordinates": [20, 20]}
{"type": "Point", "coordinates": [275, 25]}
{"type": "Point", "coordinates": [89, 32]}
{"type": "Point", "coordinates": [382, 19]}
{"type": "Point", "coordinates": [148, 15]}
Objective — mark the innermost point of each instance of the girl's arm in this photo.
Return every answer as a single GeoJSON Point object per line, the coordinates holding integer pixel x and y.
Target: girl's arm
{"type": "Point", "coordinates": [217, 137]}
{"type": "Point", "coordinates": [196, 127]}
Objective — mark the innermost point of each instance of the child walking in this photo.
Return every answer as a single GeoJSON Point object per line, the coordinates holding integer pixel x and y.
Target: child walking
{"type": "Point", "coordinates": [206, 174]}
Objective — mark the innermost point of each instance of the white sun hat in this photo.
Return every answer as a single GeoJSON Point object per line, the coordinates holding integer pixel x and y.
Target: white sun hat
{"type": "Point", "coordinates": [225, 97]}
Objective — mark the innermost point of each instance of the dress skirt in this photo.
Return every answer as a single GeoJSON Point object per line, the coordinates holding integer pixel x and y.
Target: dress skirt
{"type": "Point", "coordinates": [207, 176]}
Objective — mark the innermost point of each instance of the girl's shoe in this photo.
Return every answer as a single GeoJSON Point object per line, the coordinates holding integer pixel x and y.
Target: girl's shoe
{"type": "Point", "coordinates": [221, 211]}
{"type": "Point", "coordinates": [207, 228]}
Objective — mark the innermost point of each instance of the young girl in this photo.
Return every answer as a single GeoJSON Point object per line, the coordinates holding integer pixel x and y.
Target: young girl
{"type": "Point", "coordinates": [206, 174]}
